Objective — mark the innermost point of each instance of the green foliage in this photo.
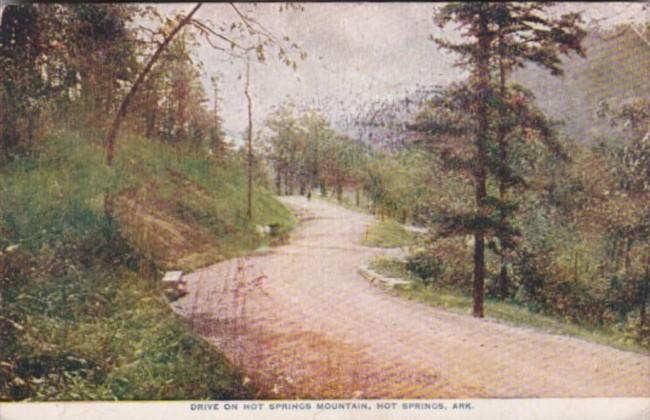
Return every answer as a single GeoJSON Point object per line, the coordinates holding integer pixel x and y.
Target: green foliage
{"type": "Point", "coordinates": [444, 262]}
{"type": "Point", "coordinates": [391, 267]}
{"type": "Point", "coordinates": [77, 321]}
{"type": "Point", "coordinates": [424, 266]}
{"type": "Point", "coordinates": [306, 152]}
{"type": "Point", "coordinates": [580, 255]}
{"type": "Point", "coordinates": [401, 185]}
{"type": "Point", "coordinates": [26, 57]}
{"type": "Point", "coordinates": [74, 63]}
{"type": "Point", "coordinates": [498, 37]}
{"type": "Point", "coordinates": [102, 335]}
{"type": "Point", "coordinates": [61, 62]}
{"type": "Point", "coordinates": [450, 298]}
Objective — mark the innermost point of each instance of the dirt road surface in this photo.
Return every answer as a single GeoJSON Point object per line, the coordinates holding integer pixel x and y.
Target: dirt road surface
{"type": "Point", "coordinates": [303, 323]}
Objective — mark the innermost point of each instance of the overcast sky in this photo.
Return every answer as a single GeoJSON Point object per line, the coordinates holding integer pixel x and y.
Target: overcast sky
{"type": "Point", "coordinates": [356, 52]}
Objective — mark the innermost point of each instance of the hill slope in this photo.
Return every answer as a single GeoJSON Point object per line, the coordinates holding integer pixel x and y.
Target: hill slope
{"type": "Point", "coordinates": [81, 314]}
{"type": "Point", "coordinates": [617, 69]}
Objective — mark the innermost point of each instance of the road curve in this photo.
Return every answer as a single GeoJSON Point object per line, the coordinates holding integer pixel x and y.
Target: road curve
{"type": "Point", "coordinates": [303, 323]}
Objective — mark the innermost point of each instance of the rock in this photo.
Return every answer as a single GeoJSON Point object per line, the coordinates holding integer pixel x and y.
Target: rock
{"type": "Point", "coordinates": [174, 286]}
{"type": "Point", "coordinates": [263, 230]}
{"type": "Point", "coordinates": [173, 278]}
{"type": "Point", "coordinates": [376, 278]}
{"type": "Point", "coordinates": [12, 248]}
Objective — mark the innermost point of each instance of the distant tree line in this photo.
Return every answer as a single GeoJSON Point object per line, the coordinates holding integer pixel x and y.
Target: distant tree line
{"type": "Point", "coordinates": [305, 153]}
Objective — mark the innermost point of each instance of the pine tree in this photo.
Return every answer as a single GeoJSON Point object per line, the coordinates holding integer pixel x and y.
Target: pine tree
{"type": "Point", "coordinates": [525, 34]}
{"type": "Point", "coordinates": [501, 36]}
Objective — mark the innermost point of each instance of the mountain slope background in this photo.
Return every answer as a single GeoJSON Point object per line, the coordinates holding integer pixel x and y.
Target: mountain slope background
{"type": "Point", "coordinates": [616, 69]}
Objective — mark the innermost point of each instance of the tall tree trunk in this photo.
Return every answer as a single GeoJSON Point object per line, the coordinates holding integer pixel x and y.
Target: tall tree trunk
{"type": "Point", "coordinates": [151, 125]}
{"type": "Point", "coordinates": [181, 93]}
{"type": "Point", "coordinates": [181, 120]}
{"type": "Point", "coordinates": [480, 173]}
{"type": "Point", "coordinates": [645, 291]}
{"type": "Point", "coordinates": [216, 145]}
{"type": "Point", "coordinates": [503, 169]}
{"type": "Point", "coordinates": [628, 248]}
{"type": "Point", "coordinates": [285, 182]}
{"type": "Point", "coordinates": [32, 120]}
{"type": "Point", "coordinates": [249, 209]}
{"type": "Point", "coordinates": [278, 181]}
{"type": "Point", "coordinates": [3, 125]}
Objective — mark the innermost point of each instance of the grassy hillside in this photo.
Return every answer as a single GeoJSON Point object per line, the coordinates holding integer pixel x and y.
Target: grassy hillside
{"type": "Point", "coordinates": [81, 313]}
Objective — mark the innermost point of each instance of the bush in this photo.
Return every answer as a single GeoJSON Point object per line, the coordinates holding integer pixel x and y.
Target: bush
{"type": "Point", "coordinates": [424, 265]}
{"type": "Point", "coordinates": [637, 331]}
{"type": "Point", "coordinates": [454, 260]}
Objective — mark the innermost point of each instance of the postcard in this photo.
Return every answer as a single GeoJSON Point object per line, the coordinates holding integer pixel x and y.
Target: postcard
{"type": "Point", "coordinates": [325, 210]}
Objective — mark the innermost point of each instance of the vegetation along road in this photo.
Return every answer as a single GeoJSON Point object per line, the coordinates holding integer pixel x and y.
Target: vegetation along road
{"type": "Point", "coordinates": [303, 323]}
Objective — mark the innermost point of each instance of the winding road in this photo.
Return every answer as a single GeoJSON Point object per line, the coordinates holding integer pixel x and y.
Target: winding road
{"type": "Point", "coordinates": [303, 323]}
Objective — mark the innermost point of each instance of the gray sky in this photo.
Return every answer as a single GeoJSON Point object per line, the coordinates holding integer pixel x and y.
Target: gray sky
{"type": "Point", "coordinates": [356, 52]}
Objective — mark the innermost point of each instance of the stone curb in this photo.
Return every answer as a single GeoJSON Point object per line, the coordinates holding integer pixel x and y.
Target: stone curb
{"type": "Point", "coordinates": [376, 278]}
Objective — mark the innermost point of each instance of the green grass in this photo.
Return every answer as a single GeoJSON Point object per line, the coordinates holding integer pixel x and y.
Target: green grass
{"type": "Point", "coordinates": [70, 172]}
{"type": "Point", "coordinates": [112, 337]}
{"type": "Point", "coordinates": [82, 314]}
{"type": "Point", "coordinates": [499, 311]}
{"type": "Point", "coordinates": [388, 234]}
{"type": "Point", "coordinates": [217, 195]}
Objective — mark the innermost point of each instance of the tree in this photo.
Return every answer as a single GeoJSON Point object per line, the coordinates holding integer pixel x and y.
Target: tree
{"type": "Point", "coordinates": [475, 18]}
{"type": "Point", "coordinates": [105, 30]}
{"type": "Point", "coordinates": [124, 105]}
{"type": "Point", "coordinates": [285, 145]}
{"type": "Point", "coordinates": [337, 162]}
{"type": "Point", "coordinates": [249, 132]}
{"type": "Point", "coordinates": [318, 133]}
{"type": "Point", "coordinates": [399, 184]}
{"type": "Point", "coordinates": [217, 140]}
{"type": "Point", "coordinates": [525, 34]}
{"type": "Point", "coordinates": [250, 28]}
{"type": "Point", "coordinates": [627, 212]}
{"type": "Point", "coordinates": [507, 34]}
{"type": "Point", "coordinates": [36, 70]}
{"type": "Point", "coordinates": [306, 152]}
